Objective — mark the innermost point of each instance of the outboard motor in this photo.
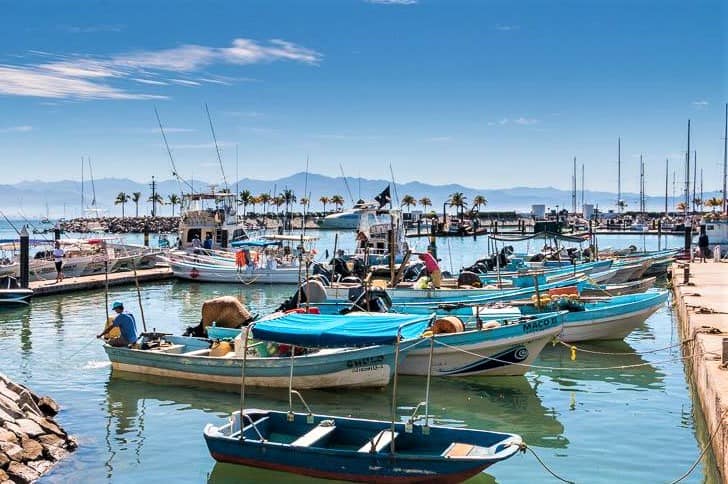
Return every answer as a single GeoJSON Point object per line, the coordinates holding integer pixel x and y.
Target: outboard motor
{"type": "Point", "coordinates": [312, 291]}
{"type": "Point", "coordinates": [320, 270]}
{"type": "Point", "coordinates": [467, 278]}
{"type": "Point", "coordinates": [375, 300]}
{"type": "Point", "coordinates": [413, 272]}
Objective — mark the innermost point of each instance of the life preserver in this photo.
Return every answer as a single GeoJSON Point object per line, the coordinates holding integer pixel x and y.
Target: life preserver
{"type": "Point", "coordinates": [240, 258]}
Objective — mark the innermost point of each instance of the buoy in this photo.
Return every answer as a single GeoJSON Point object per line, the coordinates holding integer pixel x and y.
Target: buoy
{"type": "Point", "coordinates": [448, 324]}
{"type": "Point", "coordinates": [220, 348]}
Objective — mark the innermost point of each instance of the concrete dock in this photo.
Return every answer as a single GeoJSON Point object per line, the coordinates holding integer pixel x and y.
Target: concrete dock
{"type": "Point", "coordinates": [70, 284]}
{"type": "Point", "coordinates": [702, 308]}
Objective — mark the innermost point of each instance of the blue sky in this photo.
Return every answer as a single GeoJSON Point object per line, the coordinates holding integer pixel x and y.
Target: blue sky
{"type": "Point", "coordinates": [488, 94]}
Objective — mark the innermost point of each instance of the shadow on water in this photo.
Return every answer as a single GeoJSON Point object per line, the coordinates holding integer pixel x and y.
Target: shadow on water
{"type": "Point", "coordinates": [613, 362]}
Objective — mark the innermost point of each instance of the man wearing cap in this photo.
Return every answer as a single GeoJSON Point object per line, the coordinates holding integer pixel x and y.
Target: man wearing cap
{"type": "Point", "coordinates": [126, 324]}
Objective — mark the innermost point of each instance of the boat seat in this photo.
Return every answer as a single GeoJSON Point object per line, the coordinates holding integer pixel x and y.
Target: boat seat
{"type": "Point", "coordinates": [314, 435]}
{"type": "Point", "coordinates": [379, 442]}
{"type": "Point", "coordinates": [457, 449]}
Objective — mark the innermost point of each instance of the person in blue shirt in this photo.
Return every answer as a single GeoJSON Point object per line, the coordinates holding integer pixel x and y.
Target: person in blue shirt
{"type": "Point", "coordinates": [126, 324]}
{"type": "Point", "coordinates": [207, 244]}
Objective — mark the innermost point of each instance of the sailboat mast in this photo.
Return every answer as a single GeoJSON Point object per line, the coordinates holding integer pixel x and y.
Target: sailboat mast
{"type": "Point", "coordinates": [642, 186]}
{"type": "Point", "coordinates": [695, 176]}
{"type": "Point", "coordinates": [83, 202]}
{"type": "Point", "coordinates": [667, 170]}
{"type": "Point", "coordinates": [582, 186]}
{"type": "Point", "coordinates": [687, 173]}
{"type": "Point", "coordinates": [573, 189]}
{"type": "Point", "coordinates": [619, 175]}
{"type": "Point", "coordinates": [725, 160]}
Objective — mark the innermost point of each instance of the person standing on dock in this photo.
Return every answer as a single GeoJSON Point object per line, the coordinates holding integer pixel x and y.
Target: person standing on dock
{"type": "Point", "coordinates": [126, 324]}
{"type": "Point", "coordinates": [58, 254]}
{"type": "Point", "coordinates": [703, 244]}
{"type": "Point", "coordinates": [432, 268]}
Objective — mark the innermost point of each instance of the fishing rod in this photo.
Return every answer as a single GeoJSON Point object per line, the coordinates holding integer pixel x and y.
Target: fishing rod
{"type": "Point", "coordinates": [217, 148]}
{"type": "Point", "coordinates": [10, 223]}
{"type": "Point", "coordinates": [175, 173]}
{"type": "Point", "coordinates": [394, 183]}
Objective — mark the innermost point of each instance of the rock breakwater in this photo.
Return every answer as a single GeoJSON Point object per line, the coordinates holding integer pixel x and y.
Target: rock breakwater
{"type": "Point", "coordinates": [31, 442]}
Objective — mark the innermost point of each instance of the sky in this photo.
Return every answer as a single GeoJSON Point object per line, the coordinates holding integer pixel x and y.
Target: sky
{"type": "Point", "coordinates": [488, 94]}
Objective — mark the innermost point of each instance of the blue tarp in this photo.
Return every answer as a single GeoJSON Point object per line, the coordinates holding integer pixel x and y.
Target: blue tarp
{"type": "Point", "coordinates": [336, 330]}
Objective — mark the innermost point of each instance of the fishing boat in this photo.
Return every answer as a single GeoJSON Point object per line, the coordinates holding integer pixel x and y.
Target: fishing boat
{"type": "Point", "coordinates": [348, 219]}
{"type": "Point", "coordinates": [269, 261]}
{"type": "Point", "coordinates": [12, 294]}
{"type": "Point", "coordinates": [194, 359]}
{"type": "Point", "coordinates": [211, 215]}
{"type": "Point", "coordinates": [354, 449]}
{"type": "Point", "coordinates": [500, 346]}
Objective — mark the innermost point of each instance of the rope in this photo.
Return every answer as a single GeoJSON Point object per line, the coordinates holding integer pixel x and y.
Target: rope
{"type": "Point", "coordinates": [705, 449]}
{"type": "Point", "coordinates": [576, 348]}
{"type": "Point", "coordinates": [523, 447]}
{"type": "Point", "coordinates": [553, 368]}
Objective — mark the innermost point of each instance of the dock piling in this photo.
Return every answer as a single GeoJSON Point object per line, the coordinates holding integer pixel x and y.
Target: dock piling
{"type": "Point", "coordinates": [24, 257]}
{"type": "Point", "coordinates": [724, 360]}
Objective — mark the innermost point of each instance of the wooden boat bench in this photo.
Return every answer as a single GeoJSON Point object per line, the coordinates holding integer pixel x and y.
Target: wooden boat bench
{"type": "Point", "coordinates": [457, 449]}
{"type": "Point", "coordinates": [202, 352]}
{"type": "Point", "coordinates": [314, 435]}
{"type": "Point", "coordinates": [379, 442]}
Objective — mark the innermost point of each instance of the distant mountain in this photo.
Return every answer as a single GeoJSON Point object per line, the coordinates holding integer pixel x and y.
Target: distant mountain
{"type": "Point", "coordinates": [63, 198]}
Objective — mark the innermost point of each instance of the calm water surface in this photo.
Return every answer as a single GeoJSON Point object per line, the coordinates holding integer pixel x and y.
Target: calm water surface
{"type": "Point", "coordinates": [588, 419]}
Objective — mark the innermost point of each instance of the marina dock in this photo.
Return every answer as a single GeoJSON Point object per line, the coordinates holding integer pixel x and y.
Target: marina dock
{"type": "Point", "coordinates": [702, 308]}
{"type": "Point", "coordinates": [71, 284]}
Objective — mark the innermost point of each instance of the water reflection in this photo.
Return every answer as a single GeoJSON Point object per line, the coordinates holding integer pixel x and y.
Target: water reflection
{"type": "Point", "coordinates": [614, 362]}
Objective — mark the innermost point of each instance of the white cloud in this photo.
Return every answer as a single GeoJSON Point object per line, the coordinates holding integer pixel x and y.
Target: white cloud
{"type": "Point", "coordinates": [393, 2]}
{"type": "Point", "coordinates": [519, 121]}
{"type": "Point", "coordinates": [16, 129]}
{"type": "Point", "coordinates": [76, 29]}
{"type": "Point", "coordinates": [701, 103]}
{"type": "Point", "coordinates": [506, 28]}
{"type": "Point", "coordinates": [439, 139]}
{"type": "Point", "coordinates": [81, 77]}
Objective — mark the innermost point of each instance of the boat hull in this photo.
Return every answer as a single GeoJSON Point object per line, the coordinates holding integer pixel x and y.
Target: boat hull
{"type": "Point", "coordinates": [423, 455]}
{"type": "Point", "coordinates": [203, 273]}
{"type": "Point", "coordinates": [505, 351]}
{"type": "Point", "coordinates": [364, 367]}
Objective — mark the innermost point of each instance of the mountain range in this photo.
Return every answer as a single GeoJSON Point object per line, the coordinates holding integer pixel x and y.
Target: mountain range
{"type": "Point", "coordinates": [33, 199]}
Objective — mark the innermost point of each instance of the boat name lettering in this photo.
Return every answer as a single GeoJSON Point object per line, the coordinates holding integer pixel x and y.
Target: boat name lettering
{"type": "Point", "coordinates": [368, 361]}
{"type": "Point", "coordinates": [361, 369]}
{"type": "Point", "coordinates": [538, 325]}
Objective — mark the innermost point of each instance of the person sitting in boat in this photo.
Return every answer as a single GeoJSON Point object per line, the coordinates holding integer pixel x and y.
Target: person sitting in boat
{"type": "Point", "coordinates": [208, 242]}
{"type": "Point", "coordinates": [196, 244]}
{"type": "Point", "coordinates": [361, 240]}
{"type": "Point", "coordinates": [126, 324]}
{"type": "Point", "coordinates": [432, 268]}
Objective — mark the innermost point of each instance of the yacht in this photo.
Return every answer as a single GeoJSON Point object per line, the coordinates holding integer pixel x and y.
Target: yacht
{"type": "Point", "coordinates": [348, 219]}
{"type": "Point", "coordinates": [210, 214]}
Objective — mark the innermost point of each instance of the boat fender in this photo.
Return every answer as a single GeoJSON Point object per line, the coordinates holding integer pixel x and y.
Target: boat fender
{"type": "Point", "coordinates": [492, 324]}
{"type": "Point", "coordinates": [448, 324]}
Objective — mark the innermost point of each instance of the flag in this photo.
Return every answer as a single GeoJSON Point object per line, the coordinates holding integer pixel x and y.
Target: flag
{"type": "Point", "coordinates": [384, 197]}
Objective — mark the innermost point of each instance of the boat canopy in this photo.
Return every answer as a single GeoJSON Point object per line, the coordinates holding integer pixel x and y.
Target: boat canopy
{"type": "Point", "coordinates": [337, 331]}
{"type": "Point", "coordinates": [291, 238]}
{"type": "Point", "coordinates": [254, 243]}
{"type": "Point", "coordinates": [539, 235]}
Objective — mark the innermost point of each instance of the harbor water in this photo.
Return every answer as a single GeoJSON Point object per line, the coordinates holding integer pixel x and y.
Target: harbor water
{"type": "Point", "coordinates": [617, 412]}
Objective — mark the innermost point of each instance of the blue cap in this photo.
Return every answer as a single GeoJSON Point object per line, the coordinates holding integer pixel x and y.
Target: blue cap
{"type": "Point", "coordinates": [117, 304]}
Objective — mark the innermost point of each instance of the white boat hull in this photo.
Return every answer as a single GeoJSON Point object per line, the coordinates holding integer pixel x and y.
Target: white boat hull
{"type": "Point", "coordinates": [607, 328]}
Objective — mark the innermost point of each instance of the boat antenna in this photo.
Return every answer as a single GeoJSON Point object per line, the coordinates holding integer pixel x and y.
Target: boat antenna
{"type": "Point", "coordinates": [175, 173]}
{"type": "Point", "coordinates": [306, 195]}
{"type": "Point", "coordinates": [687, 174]}
{"type": "Point", "coordinates": [83, 202]}
{"type": "Point", "coordinates": [346, 183]}
{"type": "Point", "coordinates": [391, 172]}
{"type": "Point", "coordinates": [619, 175]}
{"type": "Point", "coordinates": [217, 148]}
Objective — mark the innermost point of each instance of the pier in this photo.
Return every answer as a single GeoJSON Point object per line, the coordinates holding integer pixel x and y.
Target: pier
{"type": "Point", "coordinates": [702, 308]}
{"type": "Point", "coordinates": [71, 284]}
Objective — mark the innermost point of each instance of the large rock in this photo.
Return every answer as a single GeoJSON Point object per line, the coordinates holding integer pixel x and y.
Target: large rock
{"type": "Point", "coordinates": [7, 436]}
{"type": "Point", "coordinates": [48, 406]}
{"type": "Point", "coordinates": [29, 427]}
{"type": "Point", "coordinates": [4, 461]}
{"type": "Point", "coordinates": [14, 428]}
{"type": "Point", "coordinates": [31, 449]}
{"type": "Point", "coordinates": [41, 466]}
{"type": "Point", "coordinates": [21, 473]}
{"type": "Point", "coordinates": [13, 451]}
{"type": "Point", "coordinates": [47, 425]}
{"type": "Point", "coordinates": [54, 453]}
{"type": "Point", "coordinates": [51, 439]}
{"type": "Point", "coordinates": [10, 407]}
{"type": "Point", "coordinates": [4, 476]}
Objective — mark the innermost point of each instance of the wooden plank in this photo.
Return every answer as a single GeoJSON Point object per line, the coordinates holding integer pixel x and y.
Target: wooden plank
{"type": "Point", "coordinates": [379, 441]}
{"type": "Point", "coordinates": [458, 449]}
{"type": "Point", "coordinates": [314, 435]}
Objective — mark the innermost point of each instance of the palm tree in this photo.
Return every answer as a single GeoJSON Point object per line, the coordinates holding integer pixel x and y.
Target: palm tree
{"type": "Point", "coordinates": [253, 202]}
{"type": "Point", "coordinates": [337, 200]}
{"type": "Point", "coordinates": [121, 199]}
{"type": "Point", "coordinates": [289, 198]}
{"type": "Point", "coordinates": [425, 202]}
{"type": "Point", "coordinates": [174, 200]}
{"type": "Point", "coordinates": [698, 202]}
{"type": "Point", "coordinates": [408, 201]}
{"type": "Point", "coordinates": [682, 207]}
{"type": "Point", "coordinates": [135, 197]}
{"type": "Point", "coordinates": [155, 200]}
{"type": "Point", "coordinates": [278, 202]}
{"type": "Point", "coordinates": [458, 200]}
{"type": "Point", "coordinates": [245, 198]}
{"type": "Point", "coordinates": [478, 201]}
{"type": "Point", "coordinates": [324, 200]}
{"type": "Point", "coordinates": [265, 199]}
{"type": "Point", "coordinates": [714, 202]}
{"type": "Point", "coordinates": [621, 204]}
{"type": "Point", "coordinates": [304, 201]}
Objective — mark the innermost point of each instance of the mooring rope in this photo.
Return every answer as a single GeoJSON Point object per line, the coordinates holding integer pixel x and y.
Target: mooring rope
{"type": "Point", "coordinates": [523, 447]}
{"type": "Point", "coordinates": [705, 449]}
{"type": "Point", "coordinates": [552, 368]}
{"type": "Point", "coordinates": [594, 352]}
